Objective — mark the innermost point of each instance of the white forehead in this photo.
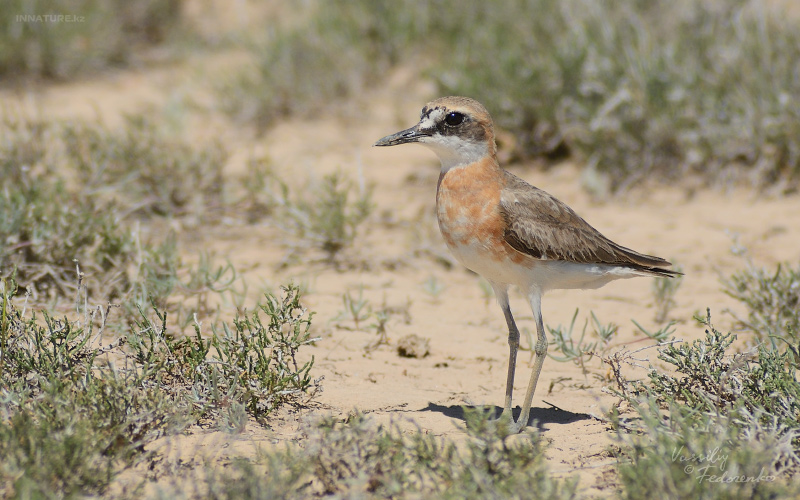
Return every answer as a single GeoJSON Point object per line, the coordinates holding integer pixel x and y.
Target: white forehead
{"type": "Point", "coordinates": [433, 117]}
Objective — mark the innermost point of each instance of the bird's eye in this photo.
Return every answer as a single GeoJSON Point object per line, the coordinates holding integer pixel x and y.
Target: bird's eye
{"type": "Point", "coordinates": [454, 119]}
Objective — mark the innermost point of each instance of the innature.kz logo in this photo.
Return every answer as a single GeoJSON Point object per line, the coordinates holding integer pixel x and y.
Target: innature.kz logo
{"type": "Point", "coordinates": [49, 18]}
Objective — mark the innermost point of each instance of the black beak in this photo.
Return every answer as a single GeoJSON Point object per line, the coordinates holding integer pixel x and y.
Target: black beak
{"type": "Point", "coordinates": [412, 134]}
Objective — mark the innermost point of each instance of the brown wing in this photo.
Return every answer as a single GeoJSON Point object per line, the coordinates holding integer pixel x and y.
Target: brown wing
{"type": "Point", "coordinates": [541, 226]}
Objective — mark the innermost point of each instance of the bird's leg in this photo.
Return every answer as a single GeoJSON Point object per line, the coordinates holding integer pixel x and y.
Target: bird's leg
{"type": "Point", "coordinates": [501, 292]}
{"type": "Point", "coordinates": [513, 347]}
{"type": "Point", "coordinates": [541, 352]}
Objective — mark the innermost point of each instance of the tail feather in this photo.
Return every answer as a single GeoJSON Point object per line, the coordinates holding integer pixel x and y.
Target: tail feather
{"type": "Point", "coordinates": [658, 271]}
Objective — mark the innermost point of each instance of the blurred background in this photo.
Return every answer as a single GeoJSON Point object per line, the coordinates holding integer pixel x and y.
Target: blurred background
{"type": "Point", "coordinates": [694, 88]}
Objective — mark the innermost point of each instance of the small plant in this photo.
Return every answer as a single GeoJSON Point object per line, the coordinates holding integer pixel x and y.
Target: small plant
{"type": "Point", "coordinates": [68, 200]}
{"type": "Point", "coordinates": [433, 287]}
{"type": "Point", "coordinates": [341, 48]}
{"type": "Point", "coordinates": [712, 380]}
{"type": "Point", "coordinates": [46, 229]}
{"type": "Point", "coordinates": [144, 170]}
{"type": "Point", "coordinates": [579, 351]}
{"type": "Point", "coordinates": [325, 218]}
{"type": "Point", "coordinates": [682, 453]}
{"type": "Point", "coordinates": [356, 309]}
{"type": "Point", "coordinates": [254, 365]}
{"type": "Point", "coordinates": [381, 319]}
{"type": "Point", "coordinates": [662, 334]}
{"type": "Point", "coordinates": [664, 290]}
{"type": "Point", "coordinates": [260, 185]}
{"type": "Point", "coordinates": [69, 423]}
{"type": "Point", "coordinates": [162, 278]}
{"type": "Point", "coordinates": [261, 358]}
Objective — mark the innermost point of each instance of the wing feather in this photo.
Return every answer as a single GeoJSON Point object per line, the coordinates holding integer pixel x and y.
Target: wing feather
{"type": "Point", "coordinates": [539, 225]}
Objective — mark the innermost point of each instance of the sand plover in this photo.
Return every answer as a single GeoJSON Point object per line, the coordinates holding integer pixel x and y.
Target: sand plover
{"type": "Point", "coordinates": [510, 232]}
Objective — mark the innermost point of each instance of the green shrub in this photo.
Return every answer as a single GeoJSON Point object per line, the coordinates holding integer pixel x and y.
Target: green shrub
{"type": "Point", "coordinates": [145, 170]}
{"type": "Point", "coordinates": [772, 299]}
{"type": "Point", "coordinates": [343, 48]}
{"type": "Point", "coordinates": [47, 230]}
{"type": "Point", "coordinates": [68, 423]}
{"type": "Point", "coordinates": [713, 421]}
{"type": "Point", "coordinates": [69, 202]}
{"type": "Point", "coordinates": [74, 414]}
{"type": "Point", "coordinates": [325, 217]}
{"type": "Point", "coordinates": [249, 366]}
{"type": "Point", "coordinates": [683, 453]}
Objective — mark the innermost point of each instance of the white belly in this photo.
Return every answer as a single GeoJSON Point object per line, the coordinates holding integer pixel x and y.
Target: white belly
{"type": "Point", "coordinates": [542, 275]}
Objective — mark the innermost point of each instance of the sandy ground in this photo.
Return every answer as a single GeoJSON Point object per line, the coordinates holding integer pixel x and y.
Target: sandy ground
{"type": "Point", "coordinates": [399, 249]}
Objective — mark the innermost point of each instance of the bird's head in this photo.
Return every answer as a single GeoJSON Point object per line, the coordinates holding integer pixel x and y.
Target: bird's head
{"type": "Point", "coordinates": [458, 129]}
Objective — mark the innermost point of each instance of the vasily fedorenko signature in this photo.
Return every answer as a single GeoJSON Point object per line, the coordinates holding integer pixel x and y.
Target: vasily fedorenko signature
{"type": "Point", "coordinates": [712, 467]}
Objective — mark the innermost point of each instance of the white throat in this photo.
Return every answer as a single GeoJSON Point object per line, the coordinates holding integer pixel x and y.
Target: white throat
{"type": "Point", "coordinates": [454, 151]}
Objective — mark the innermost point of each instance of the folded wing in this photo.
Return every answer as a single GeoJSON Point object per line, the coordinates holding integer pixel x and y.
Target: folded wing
{"type": "Point", "coordinates": [539, 225]}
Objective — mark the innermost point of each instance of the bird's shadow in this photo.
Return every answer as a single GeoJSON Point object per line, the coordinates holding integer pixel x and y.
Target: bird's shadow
{"type": "Point", "coordinates": [540, 416]}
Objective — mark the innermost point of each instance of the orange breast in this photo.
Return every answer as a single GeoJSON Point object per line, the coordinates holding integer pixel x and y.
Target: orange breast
{"type": "Point", "coordinates": [467, 207]}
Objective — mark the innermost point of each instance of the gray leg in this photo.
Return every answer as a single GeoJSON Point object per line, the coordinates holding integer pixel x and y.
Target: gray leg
{"type": "Point", "coordinates": [535, 298]}
{"type": "Point", "coordinates": [501, 292]}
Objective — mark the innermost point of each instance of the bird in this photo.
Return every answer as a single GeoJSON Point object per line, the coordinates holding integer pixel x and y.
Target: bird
{"type": "Point", "coordinates": [510, 232]}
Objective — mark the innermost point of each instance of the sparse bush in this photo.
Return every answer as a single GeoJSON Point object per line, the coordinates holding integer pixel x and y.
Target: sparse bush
{"type": "Point", "coordinates": [144, 170]}
{"type": "Point", "coordinates": [638, 89]}
{"type": "Point", "coordinates": [248, 365]}
{"type": "Point", "coordinates": [46, 230]}
{"type": "Point", "coordinates": [358, 457]}
{"type": "Point", "coordinates": [68, 200]}
{"type": "Point", "coordinates": [261, 358]}
{"type": "Point", "coordinates": [68, 423]}
{"type": "Point", "coordinates": [711, 380]}
{"type": "Point", "coordinates": [343, 48]}
{"type": "Point", "coordinates": [23, 145]}
{"type": "Point", "coordinates": [187, 291]}
{"type": "Point", "coordinates": [720, 419]}
{"type": "Point", "coordinates": [683, 453]}
{"type": "Point", "coordinates": [325, 217]}
{"type": "Point", "coordinates": [73, 415]}
{"type": "Point", "coordinates": [772, 300]}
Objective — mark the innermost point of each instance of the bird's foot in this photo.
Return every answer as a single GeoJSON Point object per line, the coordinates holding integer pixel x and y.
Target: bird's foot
{"type": "Point", "coordinates": [517, 426]}
{"type": "Point", "coordinates": [507, 418]}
